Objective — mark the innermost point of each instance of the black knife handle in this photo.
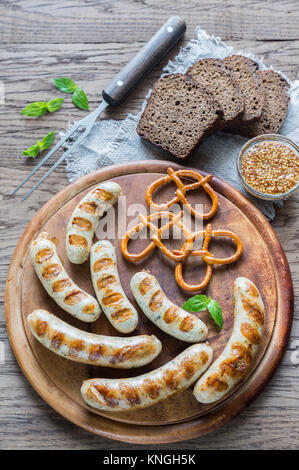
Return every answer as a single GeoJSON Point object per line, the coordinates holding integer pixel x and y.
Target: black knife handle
{"type": "Point", "coordinates": [144, 60]}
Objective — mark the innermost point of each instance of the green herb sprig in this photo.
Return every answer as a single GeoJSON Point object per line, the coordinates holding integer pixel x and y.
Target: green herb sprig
{"type": "Point", "coordinates": [197, 303]}
{"type": "Point", "coordinates": [66, 85]}
{"type": "Point", "coordinates": [44, 144]}
{"type": "Point", "coordinates": [41, 107]}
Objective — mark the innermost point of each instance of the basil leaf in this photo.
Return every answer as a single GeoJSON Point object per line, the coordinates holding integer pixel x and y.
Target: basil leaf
{"type": "Point", "coordinates": [79, 98]}
{"type": "Point", "coordinates": [55, 104]}
{"type": "Point", "coordinates": [32, 151]}
{"type": "Point", "coordinates": [216, 313]}
{"type": "Point", "coordinates": [197, 303]}
{"type": "Point", "coordinates": [41, 107]}
{"type": "Point", "coordinates": [35, 109]}
{"type": "Point", "coordinates": [47, 141]}
{"type": "Point", "coordinates": [65, 84]}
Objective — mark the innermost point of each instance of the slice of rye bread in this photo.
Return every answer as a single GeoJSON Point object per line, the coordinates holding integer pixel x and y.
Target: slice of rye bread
{"type": "Point", "coordinates": [276, 101]}
{"type": "Point", "coordinates": [250, 83]}
{"type": "Point", "coordinates": [217, 78]}
{"type": "Point", "coordinates": [179, 114]}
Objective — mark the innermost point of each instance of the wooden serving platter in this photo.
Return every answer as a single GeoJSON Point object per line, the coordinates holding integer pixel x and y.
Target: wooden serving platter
{"type": "Point", "coordinates": [181, 417]}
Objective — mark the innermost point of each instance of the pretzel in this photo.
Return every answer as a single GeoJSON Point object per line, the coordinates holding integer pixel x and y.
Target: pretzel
{"type": "Point", "coordinates": [206, 256]}
{"type": "Point", "coordinates": [182, 190]}
{"type": "Point", "coordinates": [175, 219]}
{"type": "Point", "coordinates": [187, 248]}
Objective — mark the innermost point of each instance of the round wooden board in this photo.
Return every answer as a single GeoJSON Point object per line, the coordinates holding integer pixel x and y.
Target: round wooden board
{"type": "Point", "coordinates": [181, 417]}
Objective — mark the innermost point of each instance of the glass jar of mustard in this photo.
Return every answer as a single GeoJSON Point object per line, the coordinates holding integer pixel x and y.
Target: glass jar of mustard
{"type": "Point", "coordinates": [268, 166]}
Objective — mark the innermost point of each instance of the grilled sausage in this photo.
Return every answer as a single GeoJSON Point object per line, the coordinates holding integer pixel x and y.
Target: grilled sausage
{"type": "Point", "coordinates": [119, 311]}
{"type": "Point", "coordinates": [88, 348]}
{"type": "Point", "coordinates": [163, 313]}
{"type": "Point", "coordinates": [57, 282]}
{"type": "Point", "coordinates": [84, 219]}
{"type": "Point", "coordinates": [240, 351]}
{"type": "Point", "coordinates": [148, 389]}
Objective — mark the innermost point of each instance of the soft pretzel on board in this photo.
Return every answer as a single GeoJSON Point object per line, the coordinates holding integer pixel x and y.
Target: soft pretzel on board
{"type": "Point", "coordinates": [187, 248]}
{"type": "Point", "coordinates": [181, 191]}
{"type": "Point", "coordinates": [208, 234]}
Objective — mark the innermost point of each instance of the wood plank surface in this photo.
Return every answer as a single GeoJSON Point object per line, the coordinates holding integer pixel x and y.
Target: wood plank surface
{"type": "Point", "coordinates": [90, 41]}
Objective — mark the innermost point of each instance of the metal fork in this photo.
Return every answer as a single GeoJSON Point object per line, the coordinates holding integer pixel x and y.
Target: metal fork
{"type": "Point", "coordinates": [115, 91]}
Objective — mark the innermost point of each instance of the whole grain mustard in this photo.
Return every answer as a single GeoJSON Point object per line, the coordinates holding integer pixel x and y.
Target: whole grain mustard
{"type": "Point", "coordinates": [270, 167]}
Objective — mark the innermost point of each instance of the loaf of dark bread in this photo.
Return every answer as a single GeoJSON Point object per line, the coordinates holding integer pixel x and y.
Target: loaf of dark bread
{"type": "Point", "coordinates": [250, 83]}
{"type": "Point", "coordinates": [178, 115]}
{"type": "Point", "coordinates": [276, 101]}
{"type": "Point", "coordinates": [217, 78]}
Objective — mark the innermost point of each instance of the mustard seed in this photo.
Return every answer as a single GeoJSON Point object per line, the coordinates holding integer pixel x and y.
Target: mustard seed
{"type": "Point", "coordinates": [270, 167]}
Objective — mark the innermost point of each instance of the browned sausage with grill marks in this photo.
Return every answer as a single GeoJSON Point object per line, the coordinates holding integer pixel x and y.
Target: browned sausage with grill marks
{"type": "Point", "coordinates": [239, 353]}
{"type": "Point", "coordinates": [110, 294]}
{"type": "Point", "coordinates": [88, 348]}
{"type": "Point", "coordinates": [84, 219]}
{"type": "Point", "coordinates": [148, 389]}
{"type": "Point", "coordinates": [57, 282]}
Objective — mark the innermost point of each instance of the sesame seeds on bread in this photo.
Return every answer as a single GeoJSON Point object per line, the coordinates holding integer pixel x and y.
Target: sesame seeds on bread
{"type": "Point", "coordinates": [217, 78]}
{"type": "Point", "coordinates": [179, 115]}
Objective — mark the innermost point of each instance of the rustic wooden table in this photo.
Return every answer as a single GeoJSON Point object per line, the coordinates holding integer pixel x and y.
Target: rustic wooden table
{"type": "Point", "coordinates": [90, 41]}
